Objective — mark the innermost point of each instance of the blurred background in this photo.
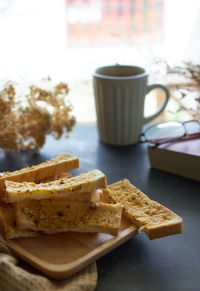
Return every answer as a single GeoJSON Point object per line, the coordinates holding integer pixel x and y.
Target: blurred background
{"type": "Point", "coordinates": [68, 39]}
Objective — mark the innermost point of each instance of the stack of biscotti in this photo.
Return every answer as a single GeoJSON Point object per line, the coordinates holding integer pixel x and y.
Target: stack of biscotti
{"type": "Point", "coordinates": [44, 198]}
{"type": "Point", "coordinates": [49, 170]}
{"type": "Point", "coordinates": [64, 204]}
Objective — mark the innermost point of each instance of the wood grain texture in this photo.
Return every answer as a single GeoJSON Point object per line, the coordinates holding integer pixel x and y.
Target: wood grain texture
{"type": "Point", "coordinates": [62, 255]}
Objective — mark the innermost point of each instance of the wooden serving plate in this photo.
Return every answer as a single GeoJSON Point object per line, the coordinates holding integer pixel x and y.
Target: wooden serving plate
{"type": "Point", "coordinates": [64, 254]}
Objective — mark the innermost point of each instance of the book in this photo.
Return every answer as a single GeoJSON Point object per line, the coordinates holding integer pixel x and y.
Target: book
{"type": "Point", "coordinates": [181, 158]}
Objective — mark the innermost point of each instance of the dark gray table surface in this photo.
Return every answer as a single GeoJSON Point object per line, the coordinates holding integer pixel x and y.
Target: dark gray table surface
{"type": "Point", "coordinates": [171, 263]}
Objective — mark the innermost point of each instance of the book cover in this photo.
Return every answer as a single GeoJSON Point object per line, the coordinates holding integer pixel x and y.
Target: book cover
{"type": "Point", "coordinates": [180, 158]}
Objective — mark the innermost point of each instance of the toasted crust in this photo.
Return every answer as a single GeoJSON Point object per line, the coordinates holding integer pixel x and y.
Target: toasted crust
{"type": "Point", "coordinates": [52, 216]}
{"type": "Point", "coordinates": [8, 227]}
{"type": "Point", "coordinates": [45, 170]}
{"type": "Point", "coordinates": [155, 219]}
{"type": "Point", "coordinates": [158, 231]}
{"type": "Point", "coordinates": [61, 188]}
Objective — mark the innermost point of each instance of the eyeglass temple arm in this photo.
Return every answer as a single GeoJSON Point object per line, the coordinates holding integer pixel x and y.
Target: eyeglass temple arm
{"type": "Point", "coordinates": [140, 138]}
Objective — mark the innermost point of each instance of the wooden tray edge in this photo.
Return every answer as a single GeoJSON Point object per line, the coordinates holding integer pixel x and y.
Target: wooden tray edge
{"type": "Point", "coordinates": [66, 270]}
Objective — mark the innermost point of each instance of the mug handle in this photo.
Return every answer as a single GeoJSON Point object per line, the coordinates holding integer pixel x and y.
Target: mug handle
{"type": "Point", "coordinates": [162, 107]}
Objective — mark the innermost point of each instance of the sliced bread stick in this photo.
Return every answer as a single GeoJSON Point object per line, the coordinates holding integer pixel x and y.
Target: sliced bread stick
{"type": "Point", "coordinates": [52, 216]}
{"type": "Point", "coordinates": [151, 217]}
{"type": "Point", "coordinates": [45, 170]}
{"type": "Point", "coordinates": [62, 188]}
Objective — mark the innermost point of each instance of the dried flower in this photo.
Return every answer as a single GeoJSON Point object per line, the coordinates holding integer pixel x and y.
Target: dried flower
{"type": "Point", "coordinates": [25, 123]}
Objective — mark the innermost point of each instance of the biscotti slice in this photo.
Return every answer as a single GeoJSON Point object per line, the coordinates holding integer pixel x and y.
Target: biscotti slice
{"type": "Point", "coordinates": [61, 188]}
{"type": "Point", "coordinates": [45, 170]}
{"type": "Point", "coordinates": [153, 218]}
{"type": "Point", "coordinates": [8, 227]}
{"type": "Point", "coordinates": [52, 216]}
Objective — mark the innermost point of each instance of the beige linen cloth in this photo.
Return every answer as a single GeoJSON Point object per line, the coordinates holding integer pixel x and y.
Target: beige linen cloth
{"type": "Point", "coordinates": [14, 278]}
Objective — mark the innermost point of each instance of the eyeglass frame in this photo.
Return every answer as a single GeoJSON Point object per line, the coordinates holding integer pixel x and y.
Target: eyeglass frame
{"type": "Point", "coordinates": [185, 136]}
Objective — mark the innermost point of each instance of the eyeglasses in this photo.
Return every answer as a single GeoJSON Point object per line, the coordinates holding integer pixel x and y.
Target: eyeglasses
{"type": "Point", "coordinates": [171, 131]}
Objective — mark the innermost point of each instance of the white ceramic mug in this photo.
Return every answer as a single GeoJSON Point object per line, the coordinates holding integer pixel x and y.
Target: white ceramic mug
{"type": "Point", "coordinates": [119, 99]}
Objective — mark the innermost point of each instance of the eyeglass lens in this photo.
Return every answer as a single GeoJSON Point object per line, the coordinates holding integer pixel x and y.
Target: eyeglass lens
{"type": "Point", "coordinates": [165, 130]}
{"type": "Point", "coordinates": [192, 127]}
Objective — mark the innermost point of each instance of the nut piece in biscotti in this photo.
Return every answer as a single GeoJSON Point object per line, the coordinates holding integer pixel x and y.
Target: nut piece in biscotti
{"type": "Point", "coordinates": [155, 219]}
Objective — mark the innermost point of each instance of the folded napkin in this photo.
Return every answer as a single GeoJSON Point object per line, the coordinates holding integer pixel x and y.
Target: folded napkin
{"type": "Point", "coordinates": [13, 277]}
